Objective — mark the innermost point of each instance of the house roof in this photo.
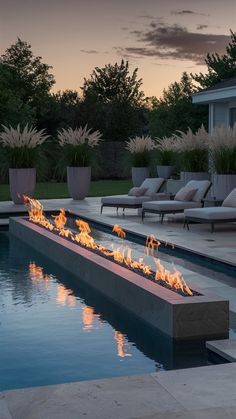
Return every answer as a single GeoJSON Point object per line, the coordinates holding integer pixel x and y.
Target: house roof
{"type": "Point", "coordinates": [222, 84]}
{"type": "Point", "coordinates": [221, 92]}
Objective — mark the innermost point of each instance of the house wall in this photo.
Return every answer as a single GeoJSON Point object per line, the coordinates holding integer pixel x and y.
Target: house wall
{"type": "Point", "coordinates": [221, 114]}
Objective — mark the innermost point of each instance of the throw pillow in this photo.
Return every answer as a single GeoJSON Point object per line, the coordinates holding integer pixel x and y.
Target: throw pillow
{"type": "Point", "coordinates": [230, 200]}
{"type": "Point", "coordinates": [185, 194]}
{"type": "Point", "coordinates": [137, 191]}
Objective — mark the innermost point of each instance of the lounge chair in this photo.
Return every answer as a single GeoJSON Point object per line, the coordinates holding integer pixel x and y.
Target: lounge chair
{"type": "Point", "coordinates": [190, 196]}
{"type": "Point", "coordinates": [212, 215]}
{"type": "Point", "coordinates": [150, 187]}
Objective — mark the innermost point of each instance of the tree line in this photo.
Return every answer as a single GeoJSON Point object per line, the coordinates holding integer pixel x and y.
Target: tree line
{"type": "Point", "coordinates": [111, 99]}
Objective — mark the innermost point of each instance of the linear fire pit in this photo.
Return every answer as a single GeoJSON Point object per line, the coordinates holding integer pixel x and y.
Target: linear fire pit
{"type": "Point", "coordinates": [180, 317]}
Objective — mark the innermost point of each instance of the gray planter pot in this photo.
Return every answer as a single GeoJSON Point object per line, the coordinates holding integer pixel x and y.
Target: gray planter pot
{"type": "Point", "coordinates": [22, 182]}
{"type": "Point", "coordinates": [222, 185]}
{"type": "Point", "coordinates": [164, 171]}
{"type": "Point", "coordinates": [187, 176]}
{"type": "Point", "coordinates": [78, 181]}
{"type": "Point", "coordinates": [139, 174]}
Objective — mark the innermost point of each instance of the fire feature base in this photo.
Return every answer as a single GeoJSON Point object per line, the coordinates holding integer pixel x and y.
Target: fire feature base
{"type": "Point", "coordinates": [198, 317]}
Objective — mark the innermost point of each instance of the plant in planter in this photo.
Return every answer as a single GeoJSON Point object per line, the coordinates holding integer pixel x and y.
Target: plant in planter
{"type": "Point", "coordinates": [21, 153]}
{"type": "Point", "coordinates": [193, 153]}
{"type": "Point", "coordinates": [223, 160]}
{"type": "Point", "coordinates": [140, 149]}
{"type": "Point", "coordinates": [77, 147]}
{"type": "Point", "coordinates": [165, 156]}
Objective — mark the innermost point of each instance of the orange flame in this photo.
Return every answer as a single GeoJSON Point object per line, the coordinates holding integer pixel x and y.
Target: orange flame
{"type": "Point", "coordinates": [151, 244]}
{"type": "Point", "coordinates": [60, 219]}
{"type": "Point", "coordinates": [121, 255]}
{"type": "Point", "coordinates": [119, 231]}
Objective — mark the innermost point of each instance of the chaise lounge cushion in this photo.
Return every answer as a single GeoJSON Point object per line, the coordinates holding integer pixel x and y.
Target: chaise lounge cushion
{"type": "Point", "coordinates": [230, 200]}
{"type": "Point", "coordinates": [166, 206]}
{"type": "Point", "coordinates": [124, 200]}
{"type": "Point", "coordinates": [153, 185]}
{"type": "Point", "coordinates": [185, 194]}
{"type": "Point", "coordinates": [201, 186]}
{"type": "Point", "coordinates": [211, 213]}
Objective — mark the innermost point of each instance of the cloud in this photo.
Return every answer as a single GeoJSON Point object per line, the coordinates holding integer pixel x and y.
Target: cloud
{"type": "Point", "coordinates": [89, 51]}
{"type": "Point", "coordinates": [176, 42]}
{"type": "Point", "coordinates": [183, 12]}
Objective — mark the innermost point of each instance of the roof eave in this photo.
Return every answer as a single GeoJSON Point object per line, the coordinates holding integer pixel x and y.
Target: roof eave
{"type": "Point", "coordinates": [224, 94]}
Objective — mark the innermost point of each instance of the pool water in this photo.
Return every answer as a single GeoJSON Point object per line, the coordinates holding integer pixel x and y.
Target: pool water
{"type": "Point", "coordinates": [54, 329]}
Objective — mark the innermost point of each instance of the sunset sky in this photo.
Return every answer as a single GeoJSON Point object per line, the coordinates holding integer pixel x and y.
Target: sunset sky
{"type": "Point", "coordinates": [162, 38]}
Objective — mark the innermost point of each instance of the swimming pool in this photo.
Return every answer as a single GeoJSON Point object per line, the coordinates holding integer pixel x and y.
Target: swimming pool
{"type": "Point", "coordinates": [54, 329]}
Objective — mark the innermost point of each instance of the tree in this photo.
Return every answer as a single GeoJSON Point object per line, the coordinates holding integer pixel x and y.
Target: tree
{"type": "Point", "coordinates": [113, 83]}
{"type": "Point", "coordinates": [175, 111]}
{"type": "Point", "coordinates": [219, 67]}
{"type": "Point", "coordinates": [113, 102]}
{"type": "Point", "coordinates": [27, 80]}
{"type": "Point", "coordinates": [34, 75]}
{"type": "Point", "coordinates": [13, 109]}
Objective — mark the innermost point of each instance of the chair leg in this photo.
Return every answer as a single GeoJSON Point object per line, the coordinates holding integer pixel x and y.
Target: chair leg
{"type": "Point", "coordinates": [101, 208]}
{"type": "Point", "coordinates": [143, 215]}
{"type": "Point", "coordinates": [123, 212]}
{"type": "Point", "coordinates": [116, 210]}
{"type": "Point", "coordinates": [162, 217]}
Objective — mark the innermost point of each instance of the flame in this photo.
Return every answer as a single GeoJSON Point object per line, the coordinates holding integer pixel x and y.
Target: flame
{"type": "Point", "coordinates": [60, 219]}
{"type": "Point", "coordinates": [151, 244]}
{"type": "Point", "coordinates": [119, 231]}
{"type": "Point", "coordinates": [83, 226]}
{"type": "Point", "coordinates": [121, 255]}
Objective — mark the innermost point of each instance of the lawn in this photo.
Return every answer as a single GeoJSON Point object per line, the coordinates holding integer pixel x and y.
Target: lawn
{"type": "Point", "coordinates": [59, 190]}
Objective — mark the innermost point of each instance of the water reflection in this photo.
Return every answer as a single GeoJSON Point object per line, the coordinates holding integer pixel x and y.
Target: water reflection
{"type": "Point", "coordinates": [37, 275]}
{"type": "Point", "coordinates": [122, 344]}
{"type": "Point", "coordinates": [97, 312]}
{"type": "Point", "coordinates": [65, 297]}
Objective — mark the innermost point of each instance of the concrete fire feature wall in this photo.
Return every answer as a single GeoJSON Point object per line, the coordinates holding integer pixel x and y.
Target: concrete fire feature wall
{"type": "Point", "coordinates": [205, 316]}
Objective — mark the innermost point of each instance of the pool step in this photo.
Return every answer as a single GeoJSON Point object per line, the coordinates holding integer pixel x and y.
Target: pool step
{"type": "Point", "coordinates": [225, 349]}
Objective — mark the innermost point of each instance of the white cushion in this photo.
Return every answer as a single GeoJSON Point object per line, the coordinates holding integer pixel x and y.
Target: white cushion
{"type": "Point", "coordinates": [137, 191]}
{"type": "Point", "coordinates": [230, 200]}
{"type": "Point", "coordinates": [124, 199]}
{"type": "Point", "coordinates": [211, 213]}
{"type": "Point", "coordinates": [170, 205]}
{"type": "Point", "coordinates": [153, 185]}
{"type": "Point", "coordinates": [201, 186]}
{"type": "Point", "coordinates": [185, 194]}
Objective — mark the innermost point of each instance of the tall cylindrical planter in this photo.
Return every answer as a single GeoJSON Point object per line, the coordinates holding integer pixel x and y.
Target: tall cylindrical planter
{"type": "Point", "coordinates": [78, 181]}
{"type": "Point", "coordinates": [187, 176]}
{"type": "Point", "coordinates": [22, 182]}
{"type": "Point", "coordinates": [222, 185]}
{"type": "Point", "coordinates": [139, 174]}
{"type": "Point", "coordinates": [164, 171]}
